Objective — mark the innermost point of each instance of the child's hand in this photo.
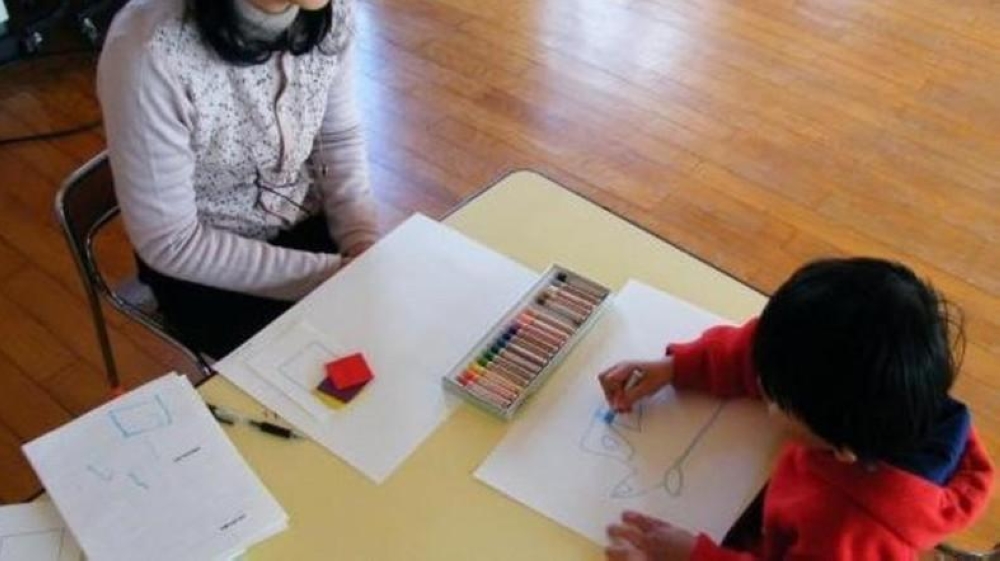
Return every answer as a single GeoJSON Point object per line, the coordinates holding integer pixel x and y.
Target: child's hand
{"type": "Point", "coordinates": [643, 538]}
{"type": "Point", "coordinates": [656, 374]}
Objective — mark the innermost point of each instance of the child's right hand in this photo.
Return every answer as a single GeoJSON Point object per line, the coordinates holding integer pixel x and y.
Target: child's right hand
{"type": "Point", "coordinates": [656, 374]}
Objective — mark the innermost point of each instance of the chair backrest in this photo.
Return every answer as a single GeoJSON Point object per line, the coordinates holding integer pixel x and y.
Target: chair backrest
{"type": "Point", "coordinates": [85, 203]}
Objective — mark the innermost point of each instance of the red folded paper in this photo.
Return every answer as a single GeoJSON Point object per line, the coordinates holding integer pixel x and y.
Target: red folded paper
{"type": "Point", "coordinates": [348, 372]}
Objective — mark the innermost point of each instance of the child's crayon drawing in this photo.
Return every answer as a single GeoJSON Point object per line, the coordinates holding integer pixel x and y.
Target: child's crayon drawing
{"type": "Point", "coordinates": [611, 441]}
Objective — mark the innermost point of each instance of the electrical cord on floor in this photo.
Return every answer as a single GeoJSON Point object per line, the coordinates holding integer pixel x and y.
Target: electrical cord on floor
{"type": "Point", "coordinates": [49, 135]}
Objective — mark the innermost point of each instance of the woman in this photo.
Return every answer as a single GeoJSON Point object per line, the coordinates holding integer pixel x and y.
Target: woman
{"type": "Point", "coordinates": [237, 154]}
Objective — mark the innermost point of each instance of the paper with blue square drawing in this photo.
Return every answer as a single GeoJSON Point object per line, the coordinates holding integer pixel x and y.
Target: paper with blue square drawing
{"type": "Point", "coordinates": [151, 475]}
{"type": "Point", "coordinates": [688, 458]}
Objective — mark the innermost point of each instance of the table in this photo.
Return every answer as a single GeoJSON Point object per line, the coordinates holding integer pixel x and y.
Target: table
{"type": "Point", "coordinates": [432, 507]}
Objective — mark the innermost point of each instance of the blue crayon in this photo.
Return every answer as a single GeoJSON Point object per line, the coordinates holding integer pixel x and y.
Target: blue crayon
{"type": "Point", "coordinates": [634, 378]}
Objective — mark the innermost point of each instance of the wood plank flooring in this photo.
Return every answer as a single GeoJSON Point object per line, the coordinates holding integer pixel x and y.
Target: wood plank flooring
{"type": "Point", "coordinates": [756, 135]}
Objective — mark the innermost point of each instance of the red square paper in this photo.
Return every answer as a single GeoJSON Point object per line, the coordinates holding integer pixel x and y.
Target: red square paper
{"type": "Point", "coordinates": [349, 371]}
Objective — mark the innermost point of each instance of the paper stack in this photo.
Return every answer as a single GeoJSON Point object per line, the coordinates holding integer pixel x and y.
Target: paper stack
{"type": "Point", "coordinates": [413, 305]}
{"type": "Point", "coordinates": [35, 531]}
{"type": "Point", "coordinates": [152, 476]}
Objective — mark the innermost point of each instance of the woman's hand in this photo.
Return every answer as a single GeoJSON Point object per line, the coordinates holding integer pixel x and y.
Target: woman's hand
{"type": "Point", "coordinates": [356, 249]}
{"type": "Point", "coordinates": [655, 375]}
{"type": "Point", "coordinates": [643, 538]}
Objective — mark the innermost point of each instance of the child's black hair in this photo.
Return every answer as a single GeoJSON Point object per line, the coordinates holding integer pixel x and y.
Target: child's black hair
{"type": "Point", "coordinates": [217, 22]}
{"type": "Point", "coordinates": [860, 351]}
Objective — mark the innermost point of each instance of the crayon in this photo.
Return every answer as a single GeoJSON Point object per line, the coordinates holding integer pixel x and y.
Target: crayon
{"type": "Point", "coordinates": [569, 297]}
{"type": "Point", "coordinates": [583, 285]}
{"type": "Point", "coordinates": [581, 310]}
{"type": "Point", "coordinates": [518, 350]}
{"type": "Point", "coordinates": [490, 385]}
{"type": "Point", "coordinates": [483, 393]}
{"type": "Point", "coordinates": [540, 348]}
{"type": "Point", "coordinates": [551, 338]}
{"type": "Point", "coordinates": [512, 385]}
{"type": "Point", "coordinates": [561, 309]}
{"type": "Point", "coordinates": [509, 364]}
{"type": "Point", "coordinates": [634, 377]}
{"type": "Point", "coordinates": [516, 359]}
{"type": "Point", "coordinates": [551, 321]}
{"type": "Point", "coordinates": [496, 366]}
{"type": "Point", "coordinates": [578, 293]}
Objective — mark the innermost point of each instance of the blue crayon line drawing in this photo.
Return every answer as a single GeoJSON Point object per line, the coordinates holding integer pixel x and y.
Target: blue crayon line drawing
{"type": "Point", "coordinates": [137, 480]}
{"type": "Point", "coordinates": [610, 441]}
{"type": "Point", "coordinates": [104, 474]}
{"type": "Point", "coordinates": [146, 416]}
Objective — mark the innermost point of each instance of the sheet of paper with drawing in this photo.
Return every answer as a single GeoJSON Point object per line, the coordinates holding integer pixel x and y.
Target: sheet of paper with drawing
{"type": "Point", "coordinates": [35, 531]}
{"type": "Point", "coordinates": [151, 475]}
{"type": "Point", "coordinates": [688, 458]}
{"type": "Point", "coordinates": [413, 305]}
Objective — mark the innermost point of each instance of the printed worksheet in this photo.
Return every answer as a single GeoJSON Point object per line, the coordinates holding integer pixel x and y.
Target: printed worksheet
{"type": "Point", "coordinates": [150, 475]}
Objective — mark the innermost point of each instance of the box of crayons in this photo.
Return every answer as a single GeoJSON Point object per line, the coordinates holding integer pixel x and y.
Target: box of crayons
{"type": "Point", "coordinates": [520, 351]}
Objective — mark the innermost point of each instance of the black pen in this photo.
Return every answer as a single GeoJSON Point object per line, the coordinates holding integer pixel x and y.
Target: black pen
{"type": "Point", "coordinates": [221, 415]}
{"type": "Point", "coordinates": [227, 417]}
{"type": "Point", "coordinates": [276, 430]}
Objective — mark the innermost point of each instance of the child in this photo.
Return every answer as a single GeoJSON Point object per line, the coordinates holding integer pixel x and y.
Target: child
{"type": "Point", "coordinates": [856, 355]}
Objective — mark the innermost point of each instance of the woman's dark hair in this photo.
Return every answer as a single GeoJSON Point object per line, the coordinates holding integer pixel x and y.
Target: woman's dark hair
{"type": "Point", "coordinates": [218, 24]}
{"type": "Point", "coordinates": [860, 351]}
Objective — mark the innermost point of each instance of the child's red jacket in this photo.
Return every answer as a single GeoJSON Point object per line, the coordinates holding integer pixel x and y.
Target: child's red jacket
{"type": "Point", "coordinates": [817, 507]}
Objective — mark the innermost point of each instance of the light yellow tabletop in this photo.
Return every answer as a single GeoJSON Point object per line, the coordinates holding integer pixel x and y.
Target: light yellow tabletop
{"type": "Point", "coordinates": [432, 507]}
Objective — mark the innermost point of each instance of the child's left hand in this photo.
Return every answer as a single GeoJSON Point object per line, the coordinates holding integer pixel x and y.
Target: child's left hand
{"type": "Point", "coordinates": [643, 538]}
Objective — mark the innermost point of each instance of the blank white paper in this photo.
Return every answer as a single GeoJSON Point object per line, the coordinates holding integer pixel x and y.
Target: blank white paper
{"type": "Point", "coordinates": [688, 458]}
{"type": "Point", "coordinates": [35, 532]}
{"type": "Point", "coordinates": [150, 475]}
{"type": "Point", "coordinates": [413, 305]}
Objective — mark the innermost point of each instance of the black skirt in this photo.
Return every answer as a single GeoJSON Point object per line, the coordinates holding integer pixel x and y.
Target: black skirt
{"type": "Point", "coordinates": [214, 321]}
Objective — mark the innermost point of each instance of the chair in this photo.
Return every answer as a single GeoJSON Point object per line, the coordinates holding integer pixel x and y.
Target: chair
{"type": "Point", "coordinates": [85, 203]}
{"type": "Point", "coordinates": [946, 552]}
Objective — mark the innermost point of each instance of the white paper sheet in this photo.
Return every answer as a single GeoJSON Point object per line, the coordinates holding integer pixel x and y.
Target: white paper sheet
{"type": "Point", "coordinates": [687, 458]}
{"type": "Point", "coordinates": [294, 364]}
{"type": "Point", "coordinates": [35, 532]}
{"type": "Point", "coordinates": [413, 304]}
{"type": "Point", "coordinates": [152, 476]}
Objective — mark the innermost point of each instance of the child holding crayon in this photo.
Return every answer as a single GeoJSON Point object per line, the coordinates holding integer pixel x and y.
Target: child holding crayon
{"type": "Point", "coordinates": [857, 356]}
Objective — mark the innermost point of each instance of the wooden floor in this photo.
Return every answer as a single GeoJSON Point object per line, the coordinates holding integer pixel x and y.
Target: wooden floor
{"type": "Point", "coordinates": [757, 135]}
